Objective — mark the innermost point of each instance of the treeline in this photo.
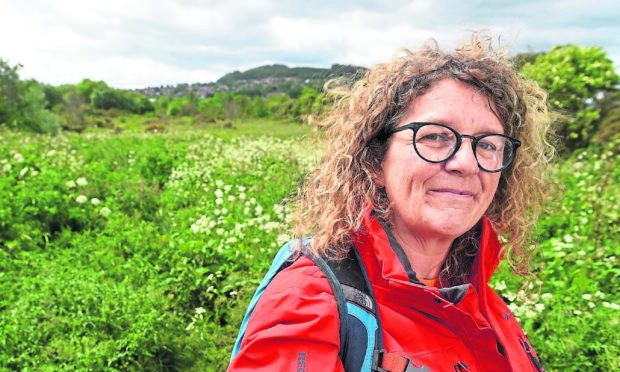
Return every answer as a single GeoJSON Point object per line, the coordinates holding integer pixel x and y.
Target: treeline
{"type": "Point", "coordinates": [221, 106]}
{"type": "Point", "coordinates": [31, 105]}
{"type": "Point", "coordinates": [581, 82]}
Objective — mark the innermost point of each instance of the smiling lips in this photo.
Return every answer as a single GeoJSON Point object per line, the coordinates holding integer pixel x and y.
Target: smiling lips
{"type": "Point", "coordinates": [454, 192]}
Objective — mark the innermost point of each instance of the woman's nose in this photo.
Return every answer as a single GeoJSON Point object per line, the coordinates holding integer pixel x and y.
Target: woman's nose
{"type": "Point", "coordinates": [464, 160]}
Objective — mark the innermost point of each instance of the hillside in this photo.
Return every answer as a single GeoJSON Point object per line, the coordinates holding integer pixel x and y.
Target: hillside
{"type": "Point", "coordinates": [260, 81]}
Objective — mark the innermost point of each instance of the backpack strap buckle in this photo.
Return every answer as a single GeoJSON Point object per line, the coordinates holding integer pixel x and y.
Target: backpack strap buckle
{"type": "Point", "coordinates": [383, 361]}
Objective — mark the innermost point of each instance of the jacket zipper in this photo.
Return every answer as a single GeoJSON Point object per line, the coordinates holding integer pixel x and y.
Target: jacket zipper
{"type": "Point", "coordinates": [530, 352]}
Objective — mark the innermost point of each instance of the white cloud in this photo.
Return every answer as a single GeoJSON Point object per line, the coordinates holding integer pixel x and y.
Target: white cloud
{"type": "Point", "coordinates": [133, 43]}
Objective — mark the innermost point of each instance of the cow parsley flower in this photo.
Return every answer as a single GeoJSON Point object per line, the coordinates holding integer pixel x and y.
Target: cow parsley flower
{"type": "Point", "coordinates": [105, 211]}
{"type": "Point", "coordinates": [81, 199]}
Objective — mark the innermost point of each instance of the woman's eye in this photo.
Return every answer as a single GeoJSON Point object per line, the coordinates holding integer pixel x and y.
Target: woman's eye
{"type": "Point", "coordinates": [434, 137]}
{"type": "Point", "coordinates": [487, 146]}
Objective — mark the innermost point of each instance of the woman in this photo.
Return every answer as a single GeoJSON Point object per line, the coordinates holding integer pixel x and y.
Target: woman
{"type": "Point", "coordinates": [430, 157]}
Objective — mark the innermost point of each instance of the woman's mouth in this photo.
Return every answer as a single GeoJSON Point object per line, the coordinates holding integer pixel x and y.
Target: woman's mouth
{"type": "Point", "coordinates": [457, 193]}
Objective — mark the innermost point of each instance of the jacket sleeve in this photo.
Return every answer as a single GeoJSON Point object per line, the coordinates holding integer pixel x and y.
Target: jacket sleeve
{"type": "Point", "coordinates": [295, 325]}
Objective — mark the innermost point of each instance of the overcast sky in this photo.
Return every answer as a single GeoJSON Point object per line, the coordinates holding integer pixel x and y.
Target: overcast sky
{"type": "Point", "coordinates": [139, 43]}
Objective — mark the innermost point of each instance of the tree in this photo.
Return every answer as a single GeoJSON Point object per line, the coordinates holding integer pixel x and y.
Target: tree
{"type": "Point", "coordinates": [74, 110]}
{"type": "Point", "coordinates": [33, 110]}
{"type": "Point", "coordinates": [86, 88]}
{"type": "Point", "coordinates": [303, 104]}
{"type": "Point", "coordinates": [608, 133]}
{"type": "Point", "coordinates": [23, 104]}
{"type": "Point", "coordinates": [174, 108]}
{"type": "Point", "coordinates": [106, 98]}
{"type": "Point", "coordinates": [190, 106]}
{"type": "Point", "coordinates": [9, 93]}
{"type": "Point", "coordinates": [573, 76]}
{"type": "Point", "coordinates": [259, 108]}
{"type": "Point", "coordinates": [242, 104]}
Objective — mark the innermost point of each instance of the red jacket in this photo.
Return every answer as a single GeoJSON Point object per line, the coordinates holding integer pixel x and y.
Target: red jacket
{"type": "Point", "coordinates": [295, 326]}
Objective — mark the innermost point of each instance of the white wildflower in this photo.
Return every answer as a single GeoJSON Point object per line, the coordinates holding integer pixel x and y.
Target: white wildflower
{"type": "Point", "coordinates": [219, 193]}
{"type": "Point", "coordinates": [587, 297]}
{"type": "Point", "coordinates": [81, 181]}
{"type": "Point", "coordinates": [95, 201]}
{"type": "Point", "coordinates": [599, 294]}
{"type": "Point", "coordinates": [105, 211]}
{"type": "Point", "coordinates": [546, 296]}
{"type": "Point", "coordinates": [227, 188]}
{"type": "Point", "coordinates": [241, 189]}
{"type": "Point", "coordinates": [200, 310]}
{"type": "Point", "coordinates": [269, 226]}
{"type": "Point", "coordinates": [611, 306]}
{"type": "Point", "coordinates": [219, 201]}
{"type": "Point", "coordinates": [81, 199]}
{"type": "Point", "coordinates": [18, 158]}
{"type": "Point", "coordinates": [23, 172]}
{"type": "Point", "coordinates": [70, 184]}
{"type": "Point", "coordinates": [242, 196]}
{"type": "Point", "coordinates": [219, 183]}
{"type": "Point", "coordinates": [259, 209]}
{"type": "Point", "coordinates": [539, 307]}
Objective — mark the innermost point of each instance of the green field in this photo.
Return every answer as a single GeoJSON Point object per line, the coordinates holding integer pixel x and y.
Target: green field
{"type": "Point", "coordinates": [139, 251]}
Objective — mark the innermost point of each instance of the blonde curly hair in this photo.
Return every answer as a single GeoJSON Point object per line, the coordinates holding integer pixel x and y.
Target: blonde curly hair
{"type": "Point", "coordinates": [332, 201]}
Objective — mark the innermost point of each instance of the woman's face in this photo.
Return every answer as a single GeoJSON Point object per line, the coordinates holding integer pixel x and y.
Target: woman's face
{"type": "Point", "coordinates": [440, 200]}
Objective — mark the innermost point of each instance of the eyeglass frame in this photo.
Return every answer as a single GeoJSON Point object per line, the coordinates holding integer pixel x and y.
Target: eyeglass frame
{"type": "Point", "coordinates": [415, 126]}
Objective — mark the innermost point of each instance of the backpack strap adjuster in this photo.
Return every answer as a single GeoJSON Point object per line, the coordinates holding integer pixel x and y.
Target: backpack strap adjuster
{"type": "Point", "coordinates": [383, 361]}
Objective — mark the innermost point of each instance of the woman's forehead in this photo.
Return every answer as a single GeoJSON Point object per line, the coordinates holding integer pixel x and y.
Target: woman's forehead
{"type": "Point", "coordinates": [454, 103]}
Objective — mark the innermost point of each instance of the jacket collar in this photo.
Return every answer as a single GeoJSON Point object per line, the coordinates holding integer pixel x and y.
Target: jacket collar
{"type": "Point", "coordinates": [376, 244]}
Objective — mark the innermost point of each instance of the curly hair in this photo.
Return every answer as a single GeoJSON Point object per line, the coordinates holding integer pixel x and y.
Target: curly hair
{"type": "Point", "coordinates": [331, 203]}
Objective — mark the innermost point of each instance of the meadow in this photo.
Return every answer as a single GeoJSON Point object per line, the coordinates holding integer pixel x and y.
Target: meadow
{"type": "Point", "coordinates": [138, 251]}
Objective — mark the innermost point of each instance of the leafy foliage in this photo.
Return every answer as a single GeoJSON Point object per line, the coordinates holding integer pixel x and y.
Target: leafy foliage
{"type": "Point", "coordinates": [572, 75]}
{"type": "Point", "coordinates": [133, 251]}
{"type": "Point", "coordinates": [570, 312]}
{"type": "Point", "coordinates": [608, 133]}
{"type": "Point", "coordinates": [23, 104]}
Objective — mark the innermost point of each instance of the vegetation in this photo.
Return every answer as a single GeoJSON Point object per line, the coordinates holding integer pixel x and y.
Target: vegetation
{"type": "Point", "coordinates": [296, 73]}
{"type": "Point", "coordinates": [574, 76]}
{"type": "Point", "coordinates": [133, 231]}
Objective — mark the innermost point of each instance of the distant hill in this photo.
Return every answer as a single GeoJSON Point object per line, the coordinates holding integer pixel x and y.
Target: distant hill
{"type": "Point", "coordinates": [283, 72]}
{"type": "Point", "coordinates": [260, 81]}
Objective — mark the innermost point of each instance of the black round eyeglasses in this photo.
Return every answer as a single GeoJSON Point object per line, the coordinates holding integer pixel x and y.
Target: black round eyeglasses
{"type": "Point", "coordinates": [436, 143]}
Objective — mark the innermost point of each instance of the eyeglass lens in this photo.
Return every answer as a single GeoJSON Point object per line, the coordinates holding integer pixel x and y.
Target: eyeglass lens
{"type": "Point", "coordinates": [437, 143]}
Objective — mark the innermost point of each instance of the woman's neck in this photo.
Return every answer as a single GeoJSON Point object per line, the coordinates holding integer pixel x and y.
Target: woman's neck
{"type": "Point", "coordinates": [426, 255]}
